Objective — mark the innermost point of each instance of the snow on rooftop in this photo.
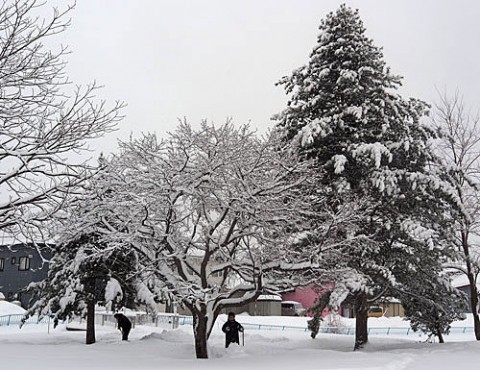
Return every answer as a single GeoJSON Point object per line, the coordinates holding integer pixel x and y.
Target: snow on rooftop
{"type": "Point", "coordinates": [389, 300]}
{"type": "Point", "coordinates": [269, 297]}
{"type": "Point", "coordinates": [461, 280]}
{"type": "Point", "coordinates": [292, 302]}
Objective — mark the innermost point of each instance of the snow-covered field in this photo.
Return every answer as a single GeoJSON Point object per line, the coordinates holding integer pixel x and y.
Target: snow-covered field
{"type": "Point", "coordinates": [156, 348]}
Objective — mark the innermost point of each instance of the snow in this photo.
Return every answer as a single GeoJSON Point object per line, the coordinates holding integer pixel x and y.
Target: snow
{"type": "Point", "coordinates": [269, 297]}
{"type": "Point", "coordinates": [157, 348]}
{"type": "Point", "coordinates": [112, 290]}
{"type": "Point", "coordinates": [319, 127]}
{"type": "Point", "coordinates": [7, 308]}
{"type": "Point", "coordinates": [375, 151]}
{"type": "Point", "coordinates": [324, 73]}
{"type": "Point", "coordinates": [347, 76]}
{"type": "Point", "coordinates": [354, 111]}
{"type": "Point", "coordinates": [339, 163]}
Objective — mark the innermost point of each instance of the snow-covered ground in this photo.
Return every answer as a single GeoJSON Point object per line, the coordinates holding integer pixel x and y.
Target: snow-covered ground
{"type": "Point", "coordinates": [157, 348]}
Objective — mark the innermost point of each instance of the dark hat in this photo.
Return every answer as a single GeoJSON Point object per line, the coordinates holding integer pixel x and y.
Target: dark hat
{"type": "Point", "coordinates": [231, 313]}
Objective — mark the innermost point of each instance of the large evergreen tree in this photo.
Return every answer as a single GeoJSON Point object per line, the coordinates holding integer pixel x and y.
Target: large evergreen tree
{"type": "Point", "coordinates": [369, 142]}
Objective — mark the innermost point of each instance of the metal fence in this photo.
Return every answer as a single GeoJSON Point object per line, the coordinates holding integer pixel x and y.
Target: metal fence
{"type": "Point", "coordinates": [273, 327]}
{"type": "Point", "coordinates": [389, 330]}
{"type": "Point", "coordinates": [105, 319]}
{"type": "Point", "coordinates": [173, 321]}
{"type": "Point", "coordinates": [405, 331]}
{"type": "Point", "coordinates": [7, 320]}
{"type": "Point", "coordinates": [166, 320]}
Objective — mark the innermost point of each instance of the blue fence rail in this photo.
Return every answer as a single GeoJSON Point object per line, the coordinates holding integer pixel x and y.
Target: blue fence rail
{"type": "Point", "coordinates": [8, 320]}
{"type": "Point", "coordinates": [273, 327]}
{"type": "Point", "coordinates": [187, 320]}
{"type": "Point", "coordinates": [389, 330]}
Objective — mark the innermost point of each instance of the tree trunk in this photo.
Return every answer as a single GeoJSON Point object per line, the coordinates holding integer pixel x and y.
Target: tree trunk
{"type": "Point", "coordinates": [472, 284]}
{"type": "Point", "coordinates": [361, 320]}
{"type": "Point", "coordinates": [90, 290]}
{"type": "Point", "coordinates": [200, 332]}
{"type": "Point", "coordinates": [440, 336]}
{"type": "Point", "coordinates": [474, 305]}
{"type": "Point", "coordinates": [90, 322]}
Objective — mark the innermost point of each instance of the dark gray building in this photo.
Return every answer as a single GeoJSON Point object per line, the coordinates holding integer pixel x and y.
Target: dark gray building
{"type": "Point", "coordinates": [21, 264]}
{"type": "Point", "coordinates": [461, 283]}
{"type": "Point", "coordinates": [466, 290]}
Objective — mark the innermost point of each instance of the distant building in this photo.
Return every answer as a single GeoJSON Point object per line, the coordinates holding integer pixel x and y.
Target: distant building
{"type": "Point", "coordinates": [461, 283]}
{"type": "Point", "coordinates": [264, 305]}
{"type": "Point", "coordinates": [20, 265]}
{"type": "Point", "coordinates": [307, 296]}
{"type": "Point", "coordinates": [382, 307]}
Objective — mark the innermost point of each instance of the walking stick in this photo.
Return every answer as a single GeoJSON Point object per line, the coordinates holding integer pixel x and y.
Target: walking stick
{"type": "Point", "coordinates": [243, 338]}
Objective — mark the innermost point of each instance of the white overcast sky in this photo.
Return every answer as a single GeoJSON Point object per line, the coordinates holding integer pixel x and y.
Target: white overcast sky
{"type": "Point", "coordinates": [214, 59]}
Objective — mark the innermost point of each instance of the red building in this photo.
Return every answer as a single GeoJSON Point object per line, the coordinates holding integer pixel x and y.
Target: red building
{"type": "Point", "coordinates": [307, 296]}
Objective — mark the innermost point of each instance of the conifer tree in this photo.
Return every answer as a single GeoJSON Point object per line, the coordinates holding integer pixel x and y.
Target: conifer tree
{"type": "Point", "coordinates": [78, 278]}
{"type": "Point", "coordinates": [433, 305]}
{"type": "Point", "coordinates": [85, 269]}
{"type": "Point", "coordinates": [369, 142]}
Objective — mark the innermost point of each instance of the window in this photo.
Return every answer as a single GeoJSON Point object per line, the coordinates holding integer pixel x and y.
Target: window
{"type": "Point", "coordinates": [2, 263]}
{"type": "Point", "coordinates": [24, 264]}
{"type": "Point", "coordinates": [13, 260]}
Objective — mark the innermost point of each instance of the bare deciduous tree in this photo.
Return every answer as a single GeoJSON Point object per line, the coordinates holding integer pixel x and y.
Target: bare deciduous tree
{"type": "Point", "coordinates": [460, 148]}
{"type": "Point", "coordinates": [218, 215]}
{"type": "Point", "coordinates": [44, 121]}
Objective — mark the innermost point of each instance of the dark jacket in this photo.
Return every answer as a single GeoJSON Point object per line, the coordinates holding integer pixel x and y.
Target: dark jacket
{"type": "Point", "coordinates": [123, 322]}
{"type": "Point", "coordinates": [231, 329]}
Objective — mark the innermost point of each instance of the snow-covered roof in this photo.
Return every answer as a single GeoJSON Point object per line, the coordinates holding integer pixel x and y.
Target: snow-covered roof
{"type": "Point", "coordinates": [269, 297]}
{"type": "Point", "coordinates": [389, 300]}
{"type": "Point", "coordinates": [292, 302]}
{"type": "Point", "coordinates": [462, 280]}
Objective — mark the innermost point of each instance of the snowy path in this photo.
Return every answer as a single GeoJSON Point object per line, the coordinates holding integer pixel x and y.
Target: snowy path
{"type": "Point", "coordinates": [152, 348]}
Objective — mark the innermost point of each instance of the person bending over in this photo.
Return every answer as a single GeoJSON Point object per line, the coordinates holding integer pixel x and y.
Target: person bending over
{"type": "Point", "coordinates": [124, 325]}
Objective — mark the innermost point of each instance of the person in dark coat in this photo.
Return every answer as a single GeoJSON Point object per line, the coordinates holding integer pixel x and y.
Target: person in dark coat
{"type": "Point", "coordinates": [124, 325]}
{"type": "Point", "coordinates": [231, 329]}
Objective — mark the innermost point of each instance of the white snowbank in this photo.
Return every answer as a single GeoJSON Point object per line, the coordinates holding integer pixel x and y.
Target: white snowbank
{"type": "Point", "coordinates": [7, 308]}
{"type": "Point", "coordinates": [157, 348]}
